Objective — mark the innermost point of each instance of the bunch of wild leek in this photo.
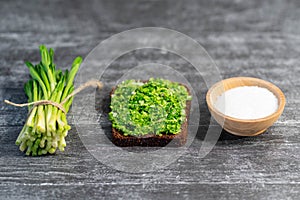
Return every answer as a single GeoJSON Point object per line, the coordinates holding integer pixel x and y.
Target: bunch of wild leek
{"type": "Point", "coordinates": [46, 126]}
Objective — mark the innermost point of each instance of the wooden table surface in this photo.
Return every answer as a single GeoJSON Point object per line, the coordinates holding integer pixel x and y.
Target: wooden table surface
{"type": "Point", "coordinates": [244, 38]}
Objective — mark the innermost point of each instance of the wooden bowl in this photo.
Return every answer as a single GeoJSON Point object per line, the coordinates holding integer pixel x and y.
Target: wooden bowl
{"type": "Point", "coordinates": [243, 127]}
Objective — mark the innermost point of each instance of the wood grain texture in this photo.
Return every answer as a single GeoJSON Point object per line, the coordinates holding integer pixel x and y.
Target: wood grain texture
{"type": "Point", "coordinates": [245, 38]}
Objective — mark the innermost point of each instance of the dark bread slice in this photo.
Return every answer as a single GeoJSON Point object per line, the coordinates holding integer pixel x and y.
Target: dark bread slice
{"type": "Point", "coordinates": [152, 140]}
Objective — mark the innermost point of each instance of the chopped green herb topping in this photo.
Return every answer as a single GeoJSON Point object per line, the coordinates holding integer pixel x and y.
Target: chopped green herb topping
{"type": "Point", "coordinates": [155, 107]}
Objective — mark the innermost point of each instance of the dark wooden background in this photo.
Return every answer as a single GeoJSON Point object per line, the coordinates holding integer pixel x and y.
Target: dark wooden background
{"type": "Point", "coordinates": [245, 38]}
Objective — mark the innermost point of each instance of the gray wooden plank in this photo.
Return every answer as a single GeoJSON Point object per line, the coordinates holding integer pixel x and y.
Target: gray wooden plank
{"type": "Point", "coordinates": [245, 38]}
{"type": "Point", "coordinates": [153, 191]}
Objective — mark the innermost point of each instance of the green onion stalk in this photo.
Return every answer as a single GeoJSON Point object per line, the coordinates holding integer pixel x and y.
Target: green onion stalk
{"type": "Point", "coordinates": [46, 126]}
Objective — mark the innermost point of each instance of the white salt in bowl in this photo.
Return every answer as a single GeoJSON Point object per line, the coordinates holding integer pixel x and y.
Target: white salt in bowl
{"type": "Point", "coordinates": [243, 127]}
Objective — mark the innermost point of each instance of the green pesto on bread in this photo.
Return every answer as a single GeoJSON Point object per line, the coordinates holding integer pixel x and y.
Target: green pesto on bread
{"type": "Point", "coordinates": [149, 113]}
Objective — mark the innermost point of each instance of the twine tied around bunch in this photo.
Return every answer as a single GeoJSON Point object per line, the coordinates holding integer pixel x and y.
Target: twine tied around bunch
{"type": "Point", "coordinates": [91, 83]}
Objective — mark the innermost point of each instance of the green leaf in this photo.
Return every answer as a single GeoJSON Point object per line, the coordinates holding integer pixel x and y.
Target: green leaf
{"type": "Point", "coordinates": [154, 107]}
